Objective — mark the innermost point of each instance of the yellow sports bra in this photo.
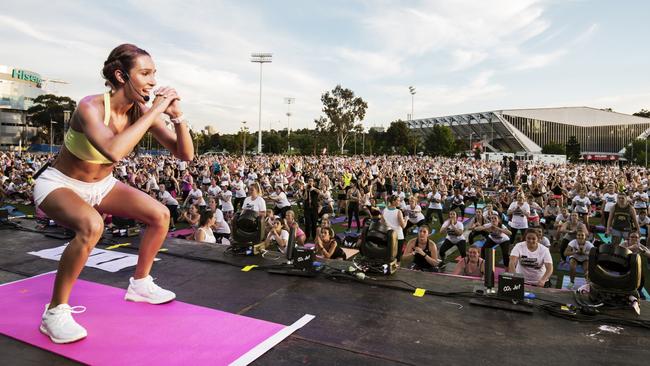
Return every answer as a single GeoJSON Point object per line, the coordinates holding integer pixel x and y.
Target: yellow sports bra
{"type": "Point", "coordinates": [77, 143]}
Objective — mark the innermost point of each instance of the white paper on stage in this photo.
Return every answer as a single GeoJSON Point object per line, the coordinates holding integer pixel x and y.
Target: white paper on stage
{"type": "Point", "coordinates": [106, 260]}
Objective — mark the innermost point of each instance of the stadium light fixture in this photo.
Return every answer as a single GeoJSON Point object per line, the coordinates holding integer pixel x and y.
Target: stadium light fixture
{"type": "Point", "coordinates": [261, 58]}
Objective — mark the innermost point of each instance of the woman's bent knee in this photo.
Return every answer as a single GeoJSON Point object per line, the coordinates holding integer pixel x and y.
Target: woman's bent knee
{"type": "Point", "coordinates": [90, 229]}
{"type": "Point", "coordinates": [159, 216]}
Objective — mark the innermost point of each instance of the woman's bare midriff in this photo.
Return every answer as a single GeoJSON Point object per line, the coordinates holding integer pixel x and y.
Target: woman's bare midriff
{"type": "Point", "coordinates": [78, 169]}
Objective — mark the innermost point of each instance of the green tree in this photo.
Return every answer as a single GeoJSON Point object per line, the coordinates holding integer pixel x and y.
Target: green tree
{"type": "Point", "coordinates": [377, 141]}
{"type": "Point", "coordinates": [229, 143]}
{"type": "Point", "coordinates": [233, 143]}
{"type": "Point", "coordinates": [49, 107]}
{"type": "Point", "coordinates": [273, 142]}
{"type": "Point", "coordinates": [215, 142]}
{"type": "Point", "coordinates": [572, 149]}
{"type": "Point", "coordinates": [642, 113]}
{"type": "Point", "coordinates": [302, 143]}
{"type": "Point", "coordinates": [440, 141]}
{"type": "Point", "coordinates": [635, 152]}
{"type": "Point", "coordinates": [342, 110]}
{"type": "Point", "coordinates": [554, 148]}
{"type": "Point", "coordinates": [401, 137]}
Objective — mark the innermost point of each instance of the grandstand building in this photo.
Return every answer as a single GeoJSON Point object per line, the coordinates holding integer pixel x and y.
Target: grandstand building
{"type": "Point", "coordinates": [603, 135]}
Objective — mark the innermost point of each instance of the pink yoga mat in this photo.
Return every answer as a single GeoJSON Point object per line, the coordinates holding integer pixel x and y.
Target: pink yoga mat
{"type": "Point", "coordinates": [128, 333]}
{"type": "Point", "coordinates": [180, 232]}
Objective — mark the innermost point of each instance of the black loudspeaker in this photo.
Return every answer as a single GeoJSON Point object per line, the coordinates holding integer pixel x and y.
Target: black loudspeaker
{"type": "Point", "coordinates": [291, 244]}
{"type": "Point", "coordinates": [511, 286]}
{"type": "Point", "coordinates": [123, 222]}
{"type": "Point", "coordinates": [489, 268]}
{"type": "Point", "coordinates": [379, 242]}
{"type": "Point", "coordinates": [303, 258]}
{"type": "Point", "coordinates": [247, 229]}
{"type": "Point", "coordinates": [614, 270]}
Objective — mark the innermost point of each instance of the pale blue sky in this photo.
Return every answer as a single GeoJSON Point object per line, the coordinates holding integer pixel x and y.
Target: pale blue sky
{"type": "Point", "coordinates": [462, 56]}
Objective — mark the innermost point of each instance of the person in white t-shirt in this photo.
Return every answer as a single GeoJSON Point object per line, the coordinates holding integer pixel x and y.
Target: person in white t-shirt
{"type": "Point", "coordinates": [255, 201]}
{"type": "Point", "coordinates": [220, 226]}
{"type": "Point", "coordinates": [497, 234]}
{"type": "Point", "coordinates": [435, 206]}
{"type": "Point", "coordinates": [414, 213]}
{"type": "Point", "coordinates": [240, 192]}
{"type": "Point", "coordinates": [454, 236]}
{"type": "Point", "coordinates": [640, 199]}
{"type": "Point", "coordinates": [532, 260]}
{"type": "Point", "coordinates": [225, 201]}
{"type": "Point", "coordinates": [214, 190]}
{"type": "Point", "coordinates": [282, 204]}
{"type": "Point", "coordinates": [172, 204]}
{"type": "Point", "coordinates": [277, 236]}
{"type": "Point", "coordinates": [194, 197]}
{"type": "Point", "coordinates": [578, 253]}
{"type": "Point", "coordinates": [182, 165]}
{"type": "Point", "coordinates": [394, 219]}
{"type": "Point", "coordinates": [582, 205]}
{"type": "Point", "coordinates": [644, 223]}
{"type": "Point", "coordinates": [519, 211]}
{"type": "Point", "coordinates": [609, 199]}
{"type": "Point", "coordinates": [634, 245]}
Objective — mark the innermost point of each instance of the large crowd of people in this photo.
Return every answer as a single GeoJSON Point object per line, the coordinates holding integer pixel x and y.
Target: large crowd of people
{"type": "Point", "coordinates": [525, 210]}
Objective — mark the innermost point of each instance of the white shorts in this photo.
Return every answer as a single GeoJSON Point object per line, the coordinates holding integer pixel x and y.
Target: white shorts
{"type": "Point", "coordinates": [51, 179]}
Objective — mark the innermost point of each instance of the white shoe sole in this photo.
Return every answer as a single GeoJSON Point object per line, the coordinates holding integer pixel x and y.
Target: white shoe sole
{"type": "Point", "coordinates": [61, 341]}
{"type": "Point", "coordinates": [138, 298]}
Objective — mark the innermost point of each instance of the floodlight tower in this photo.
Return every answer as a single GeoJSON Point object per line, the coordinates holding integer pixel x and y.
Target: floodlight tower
{"type": "Point", "coordinates": [260, 58]}
{"type": "Point", "coordinates": [412, 91]}
{"type": "Point", "coordinates": [289, 102]}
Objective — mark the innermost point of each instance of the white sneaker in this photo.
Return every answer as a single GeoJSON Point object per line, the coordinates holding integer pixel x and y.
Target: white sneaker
{"type": "Point", "coordinates": [58, 324]}
{"type": "Point", "coordinates": [144, 290]}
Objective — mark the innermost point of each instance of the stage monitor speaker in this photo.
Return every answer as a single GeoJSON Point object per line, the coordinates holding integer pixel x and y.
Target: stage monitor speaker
{"type": "Point", "coordinates": [489, 268]}
{"type": "Point", "coordinates": [511, 286]}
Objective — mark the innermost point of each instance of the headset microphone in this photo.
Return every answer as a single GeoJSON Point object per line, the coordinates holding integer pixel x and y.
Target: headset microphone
{"type": "Point", "coordinates": [128, 80]}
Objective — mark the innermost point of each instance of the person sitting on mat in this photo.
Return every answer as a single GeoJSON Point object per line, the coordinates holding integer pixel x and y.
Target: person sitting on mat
{"type": "Point", "coordinates": [290, 222]}
{"type": "Point", "coordinates": [423, 250]}
{"type": "Point", "coordinates": [277, 238]}
{"type": "Point", "coordinates": [472, 265]}
{"type": "Point", "coordinates": [204, 232]}
{"type": "Point", "coordinates": [326, 245]}
{"type": "Point", "coordinates": [220, 227]}
{"type": "Point", "coordinates": [578, 252]}
{"type": "Point", "coordinates": [634, 245]}
{"type": "Point", "coordinates": [79, 186]}
{"type": "Point", "coordinates": [191, 216]}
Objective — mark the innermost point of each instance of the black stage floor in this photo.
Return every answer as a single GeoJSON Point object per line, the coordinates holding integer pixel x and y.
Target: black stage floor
{"type": "Point", "coordinates": [355, 324]}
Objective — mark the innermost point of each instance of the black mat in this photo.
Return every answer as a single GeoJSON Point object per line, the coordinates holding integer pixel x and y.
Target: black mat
{"type": "Point", "coordinates": [355, 324]}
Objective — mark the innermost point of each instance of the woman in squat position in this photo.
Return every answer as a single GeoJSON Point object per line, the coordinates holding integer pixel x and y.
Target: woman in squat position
{"type": "Point", "coordinates": [79, 186]}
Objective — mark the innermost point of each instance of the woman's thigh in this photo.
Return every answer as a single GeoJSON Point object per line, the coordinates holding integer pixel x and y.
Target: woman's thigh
{"type": "Point", "coordinates": [69, 210]}
{"type": "Point", "coordinates": [126, 201]}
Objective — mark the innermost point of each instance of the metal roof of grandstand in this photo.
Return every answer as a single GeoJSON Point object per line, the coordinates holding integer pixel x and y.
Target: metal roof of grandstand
{"type": "Point", "coordinates": [579, 116]}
